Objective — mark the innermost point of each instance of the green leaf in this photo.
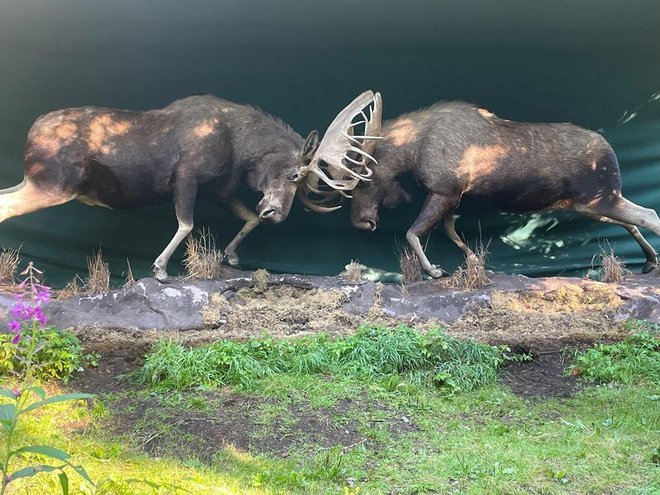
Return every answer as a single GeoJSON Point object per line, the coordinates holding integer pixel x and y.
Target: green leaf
{"type": "Point", "coordinates": [64, 482]}
{"type": "Point", "coordinates": [55, 454]}
{"type": "Point", "coordinates": [31, 471]}
{"type": "Point", "coordinates": [39, 391]}
{"type": "Point", "coordinates": [5, 392]}
{"type": "Point", "coordinates": [7, 415]}
{"type": "Point", "coordinates": [54, 400]}
{"type": "Point", "coordinates": [46, 450]}
{"type": "Point", "coordinates": [81, 472]}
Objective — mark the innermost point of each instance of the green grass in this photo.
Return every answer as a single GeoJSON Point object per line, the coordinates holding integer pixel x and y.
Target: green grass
{"type": "Point", "coordinates": [486, 441]}
{"type": "Point", "coordinates": [636, 359]}
{"type": "Point", "coordinates": [375, 353]}
{"type": "Point", "coordinates": [389, 388]}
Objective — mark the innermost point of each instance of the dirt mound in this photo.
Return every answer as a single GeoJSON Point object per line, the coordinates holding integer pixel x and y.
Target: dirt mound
{"type": "Point", "coordinates": [280, 311]}
{"type": "Point", "coordinates": [547, 316]}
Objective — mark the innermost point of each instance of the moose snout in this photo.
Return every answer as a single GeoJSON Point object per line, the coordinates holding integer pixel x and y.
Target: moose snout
{"type": "Point", "coordinates": [365, 223]}
{"type": "Point", "coordinates": [268, 215]}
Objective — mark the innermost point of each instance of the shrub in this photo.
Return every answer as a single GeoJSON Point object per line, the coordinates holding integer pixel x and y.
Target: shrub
{"type": "Point", "coordinates": [58, 354]}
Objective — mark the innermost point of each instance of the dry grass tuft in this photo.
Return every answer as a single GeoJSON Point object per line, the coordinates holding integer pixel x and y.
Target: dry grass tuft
{"type": "Point", "coordinates": [130, 278]}
{"type": "Point", "coordinates": [353, 272]}
{"type": "Point", "coordinates": [613, 269]}
{"type": "Point", "coordinates": [9, 261]}
{"type": "Point", "coordinates": [202, 259]}
{"type": "Point", "coordinates": [411, 269]}
{"type": "Point", "coordinates": [98, 280]}
{"type": "Point", "coordinates": [260, 281]}
{"type": "Point", "coordinates": [73, 288]}
{"type": "Point", "coordinates": [472, 275]}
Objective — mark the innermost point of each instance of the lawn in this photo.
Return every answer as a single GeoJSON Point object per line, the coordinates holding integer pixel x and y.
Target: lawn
{"type": "Point", "coordinates": [327, 416]}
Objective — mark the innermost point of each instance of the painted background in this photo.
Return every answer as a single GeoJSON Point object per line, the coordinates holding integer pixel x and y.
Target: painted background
{"type": "Point", "coordinates": [593, 63]}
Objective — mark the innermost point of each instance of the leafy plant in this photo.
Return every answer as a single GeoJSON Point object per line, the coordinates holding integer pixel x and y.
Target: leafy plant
{"type": "Point", "coordinates": [27, 327]}
{"type": "Point", "coordinates": [57, 354]}
{"type": "Point", "coordinates": [635, 359]}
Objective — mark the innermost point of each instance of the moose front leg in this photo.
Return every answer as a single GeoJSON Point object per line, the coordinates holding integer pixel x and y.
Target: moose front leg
{"type": "Point", "coordinates": [251, 221]}
{"type": "Point", "coordinates": [435, 207]}
{"type": "Point", "coordinates": [184, 205]}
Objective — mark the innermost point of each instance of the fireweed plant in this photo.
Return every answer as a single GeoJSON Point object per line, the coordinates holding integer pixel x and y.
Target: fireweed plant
{"type": "Point", "coordinates": [28, 322]}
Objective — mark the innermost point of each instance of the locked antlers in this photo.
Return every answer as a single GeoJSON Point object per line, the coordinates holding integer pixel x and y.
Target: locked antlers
{"type": "Point", "coordinates": [344, 156]}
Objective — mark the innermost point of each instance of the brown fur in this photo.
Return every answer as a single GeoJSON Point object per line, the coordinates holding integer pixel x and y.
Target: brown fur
{"type": "Point", "coordinates": [479, 162]}
{"type": "Point", "coordinates": [402, 132]}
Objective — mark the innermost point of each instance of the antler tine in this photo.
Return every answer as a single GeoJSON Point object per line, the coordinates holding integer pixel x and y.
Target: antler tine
{"type": "Point", "coordinates": [309, 204]}
{"type": "Point", "coordinates": [363, 153]}
{"type": "Point", "coordinates": [319, 205]}
{"type": "Point", "coordinates": [343, 168]}
{"type": "Point", "coordinates": [372, 129]}
{"type": "Point", "coordinates": [352, 138]}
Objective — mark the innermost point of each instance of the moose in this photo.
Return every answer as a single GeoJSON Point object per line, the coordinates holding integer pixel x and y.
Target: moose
{"type": "Point", "coordinates": [126, 159]}
{"type": "Point", "coordinates": [456, 150]}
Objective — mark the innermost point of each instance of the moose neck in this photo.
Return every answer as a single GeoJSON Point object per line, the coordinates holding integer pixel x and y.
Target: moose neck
{"type": "Point", "coordinates": [261, 135]}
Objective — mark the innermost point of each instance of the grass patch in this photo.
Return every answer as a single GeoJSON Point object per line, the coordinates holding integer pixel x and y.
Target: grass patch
{"type": "Point", "coordinates": [486, 441]}
{"type": "Point", "coordinates": [636, 359]}
{"type": "Point", "coordinates": [9, 260]}
{"type": "Point", "coordinates": [374, 353]}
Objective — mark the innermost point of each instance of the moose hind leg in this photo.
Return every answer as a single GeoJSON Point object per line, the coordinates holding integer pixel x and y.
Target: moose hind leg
{"type": "Point", "coordinates": [449, 225]}
{"type": "Point", "coordinates": [435, 207]}
{"type": "Point", "coordinates": [184, 205]}
{"type": "Point", "coordinates": [624, 211]}
{"type": "Point", "coordinates": [27, 198]}
{"type": "Point", "coordinates": [651, 256]}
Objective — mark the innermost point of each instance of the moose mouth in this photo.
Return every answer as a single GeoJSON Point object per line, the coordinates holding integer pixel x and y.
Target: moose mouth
{"type": "Point", "coordinates": [270, 215]}
{"type": "Point", "coordinates": [366, 224]}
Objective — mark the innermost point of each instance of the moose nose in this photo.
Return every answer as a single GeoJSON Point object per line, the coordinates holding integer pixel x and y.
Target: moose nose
{"type": "Point", "coordinates": [369, 223]}
{"type": "Point", "coordinates": [266, 214]}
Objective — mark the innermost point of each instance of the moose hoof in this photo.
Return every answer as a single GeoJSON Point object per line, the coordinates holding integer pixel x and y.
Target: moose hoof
{"type": "Point", "coordinates": [232, 260]}
{"type": "Point", "coordinates": [649, 267]}
{"type": "Point", "coordinates": [159, 273]}
{"type": "Point", "coordinates": [436, 272]}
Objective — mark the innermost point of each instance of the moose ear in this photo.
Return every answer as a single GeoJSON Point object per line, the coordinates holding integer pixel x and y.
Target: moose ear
{"type": "Point", "coordinates": [396, 195]}
{"type": "Point", "coordinates": [310, 146]}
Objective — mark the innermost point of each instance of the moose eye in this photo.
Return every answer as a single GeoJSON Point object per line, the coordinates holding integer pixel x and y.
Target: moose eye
{"type": "Point", "coordinates": [293, 176]}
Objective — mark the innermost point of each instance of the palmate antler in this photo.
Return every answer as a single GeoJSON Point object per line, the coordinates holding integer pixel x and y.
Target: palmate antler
{"type": "Point", "coordinates": [343, 158]}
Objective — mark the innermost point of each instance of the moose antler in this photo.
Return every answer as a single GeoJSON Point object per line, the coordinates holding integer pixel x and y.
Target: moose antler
{"type": "Point", "coordinates": [342, 158]}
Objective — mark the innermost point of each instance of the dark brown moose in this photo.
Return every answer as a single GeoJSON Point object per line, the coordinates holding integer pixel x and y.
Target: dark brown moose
{"type": "Point", "coordinates": [127, 159]}
{"type": "Point", "coordinates": [456, 150]}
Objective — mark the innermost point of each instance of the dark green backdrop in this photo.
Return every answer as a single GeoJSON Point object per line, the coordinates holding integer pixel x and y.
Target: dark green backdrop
{"type": "Point", "coordinates": [594, 63]}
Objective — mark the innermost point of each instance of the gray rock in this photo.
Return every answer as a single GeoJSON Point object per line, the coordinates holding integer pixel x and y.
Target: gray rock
{"type": "Point", "coordinates": [178, 305]}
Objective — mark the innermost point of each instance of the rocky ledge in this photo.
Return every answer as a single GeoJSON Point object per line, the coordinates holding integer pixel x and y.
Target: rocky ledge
{"type": "Point", "coordinates": [241, 306]}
